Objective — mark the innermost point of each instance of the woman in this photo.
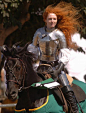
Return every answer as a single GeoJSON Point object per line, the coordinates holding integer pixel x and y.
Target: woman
{"type": "Point", "coordinates": [61, 21]}
{"type": "Point", "coordinates": [54, 40]}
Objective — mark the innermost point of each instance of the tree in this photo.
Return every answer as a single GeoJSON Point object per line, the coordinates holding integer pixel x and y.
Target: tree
{"type": "Point", "coordinates": [14, 13]}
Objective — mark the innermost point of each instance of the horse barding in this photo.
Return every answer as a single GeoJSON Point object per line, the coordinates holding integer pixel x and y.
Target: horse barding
{"type": "Point", "coordinates": [30, 88]}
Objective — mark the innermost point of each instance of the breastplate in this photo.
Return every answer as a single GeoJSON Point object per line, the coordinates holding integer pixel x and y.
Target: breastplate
{"type": "Point", "coordinates": [48, 48]}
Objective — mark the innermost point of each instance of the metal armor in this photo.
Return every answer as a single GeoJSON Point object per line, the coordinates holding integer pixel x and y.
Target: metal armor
{"type": "Point", "coordinates": [49, 43]}
{"type": "Point", "coordinates": [48, 49]}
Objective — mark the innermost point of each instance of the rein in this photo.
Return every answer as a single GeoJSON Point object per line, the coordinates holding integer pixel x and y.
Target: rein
{"type": "Point", "coordinates": [11, 71]}
{"type": "Point", "coordinates": [17, 81]}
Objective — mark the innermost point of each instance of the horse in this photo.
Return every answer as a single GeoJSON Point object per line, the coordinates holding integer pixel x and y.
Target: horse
{"type": "Point", "coordinates": [25, 84]}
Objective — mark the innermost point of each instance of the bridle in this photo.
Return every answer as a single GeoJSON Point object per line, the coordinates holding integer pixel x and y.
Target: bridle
{"type": "Point", "coordinates": [16, 81]}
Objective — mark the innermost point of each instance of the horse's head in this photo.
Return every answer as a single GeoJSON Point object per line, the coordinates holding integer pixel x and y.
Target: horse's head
{"type": "Point", "coordinates": [16, 68]}
{"type": "Point", "coordinates": [15, 74]}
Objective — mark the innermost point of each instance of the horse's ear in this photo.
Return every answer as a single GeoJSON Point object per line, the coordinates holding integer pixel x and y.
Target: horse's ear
{"type": "Point", "coordinates": [17, 44]}
{"type": "Point", "coordinates": [13, 50]}
{"type": "Point", "coordinates": [5, 50]}
{"type": "Point", "coordinates": [23, 49]}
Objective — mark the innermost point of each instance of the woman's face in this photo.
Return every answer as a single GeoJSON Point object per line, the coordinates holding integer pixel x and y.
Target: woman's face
{"type": "Point", "coordinates": [51, 20]}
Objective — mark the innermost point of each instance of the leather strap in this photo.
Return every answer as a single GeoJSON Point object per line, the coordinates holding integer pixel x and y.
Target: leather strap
{"type": "Point", "coordinates": [59, 96]}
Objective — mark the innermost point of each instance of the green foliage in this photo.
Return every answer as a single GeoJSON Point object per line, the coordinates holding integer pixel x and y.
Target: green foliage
{"type": "Point", "coordinates": [8, 6]}
{"type": "Point", "coordinates": [10, 12]}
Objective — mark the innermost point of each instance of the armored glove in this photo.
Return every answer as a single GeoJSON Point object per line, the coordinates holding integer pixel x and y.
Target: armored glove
{"type": "Point", "coordinates": [57, 71]}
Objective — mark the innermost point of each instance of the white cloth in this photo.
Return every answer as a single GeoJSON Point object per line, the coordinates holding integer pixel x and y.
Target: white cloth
{"type": "Point", "coordinates": [80, 41]}
{"type": "Point", "coordinates": [77, 65]}
{"type": "Point", "coordinates": [64, 55]}
{"type": "Point", "coordinates": [75, 61]}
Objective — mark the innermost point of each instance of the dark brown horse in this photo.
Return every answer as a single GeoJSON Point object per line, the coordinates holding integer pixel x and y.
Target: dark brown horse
{"type": "Point", "coordinates": [21, 77]}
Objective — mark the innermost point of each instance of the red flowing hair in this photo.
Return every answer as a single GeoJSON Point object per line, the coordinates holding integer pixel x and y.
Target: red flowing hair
{"type": "Point", "coordinates": [68, 20]}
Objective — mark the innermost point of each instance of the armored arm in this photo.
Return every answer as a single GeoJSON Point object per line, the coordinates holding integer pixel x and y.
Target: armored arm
{"type": "Point", "coordinates": [35, 38]}
{"type": "Point", "coordinates": [33, 47]}
{"type": "Point", "coordinates": [62, 39]}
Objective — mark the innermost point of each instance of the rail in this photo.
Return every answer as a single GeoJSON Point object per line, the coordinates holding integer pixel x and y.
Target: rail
{"type": "Point", "coordinates": [7, 105]}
